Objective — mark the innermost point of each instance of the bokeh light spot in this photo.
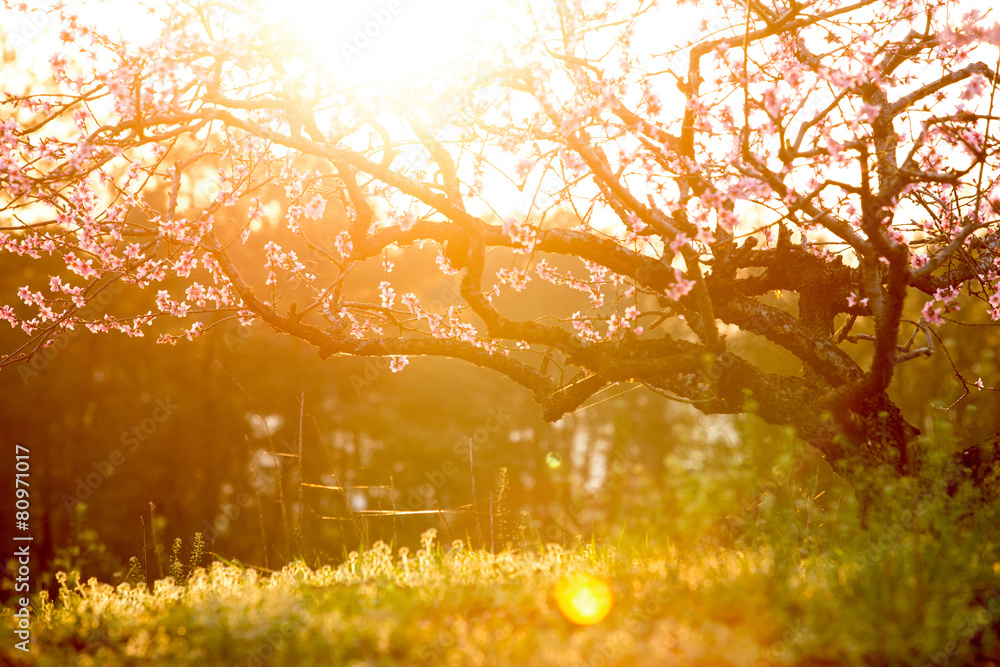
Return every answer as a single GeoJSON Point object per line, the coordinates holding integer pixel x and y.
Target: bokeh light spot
{"type": "Point", "coordinates": [553, 460]}
{"type": "Point", "coordinates": [583, 598]}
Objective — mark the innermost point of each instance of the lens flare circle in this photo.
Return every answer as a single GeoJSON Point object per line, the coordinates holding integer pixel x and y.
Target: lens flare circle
{"type": "Point", "coordinates": [584, 599]}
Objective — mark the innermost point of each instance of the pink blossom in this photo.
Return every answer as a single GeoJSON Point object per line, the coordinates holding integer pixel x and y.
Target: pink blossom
{"type": "Point", "coordinates": [520, 233]}
{"type": "Point", "coordinates": [635, 223]}
{"type": "Point", "coordinates": [168, 305]}
{"type": "Point", "coordinates": [84, 269]}
{"type": "Point", "coordinates": [680, 287]}
{"type": "Point", "coordinates": [853, 300]}
{"type": "Point", "coordinates": [932, 314]}
{"type": "Point", "coordinates": [315, 208]}
{"type": "Point", "coordinates": [196, 292]}
{"type": "Point", "coordinates": [705, 236]}
{"type": "Point", "coordinates": [869, 112]}
{"type": "Point", "coordinates": [678, 242]}
{"type": "Point", "coordinates": [185, 264]}
{"type": "Point", "coordinates": [294, 183]}
{"type": "Point", "coordinates": [407, 221]}
{"type": "Point", "coordinates": [388, 294]}
{"type": "Point", "coordinates": [81, 154]}
{"type": "Point", "coordinates": [411, 302]}
{"type": "Point", "coordinates": [516, 278]}
{"type": "Point", "coordinates": [974, 88]}
{"type": "Point", "coordinates": [7, 313]}
{"type": "Point", "coordinates": [195, 330]}
{"type": "Point", "coordinates": [584, 328]}
{"type": "Point", "coordinates": [445, 265]}
{"type": "Point", "coordinates": [275, 257]}
{"type": "Point", "coordinates": [27, 296]}
{"type": "Point", "coordinates": [343, 244]}
{"type": "Point", "coordinates": [545, 272]}
{"type": "Point", "coordinates": [292, 219]}
{"type": "Point", "coordinates": [994, 301]}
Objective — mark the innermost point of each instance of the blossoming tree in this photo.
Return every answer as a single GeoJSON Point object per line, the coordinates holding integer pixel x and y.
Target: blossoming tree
{"type": "Point", "coordinates": [842, 155]}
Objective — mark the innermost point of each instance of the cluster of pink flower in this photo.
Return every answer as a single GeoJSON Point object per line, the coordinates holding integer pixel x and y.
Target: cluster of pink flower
{"type": "Point", "coordinates": [387, 293]}
{"type": "Point", "coordinates": [280, 259]}
{"type": "Point", "coordinates": [947, 298]}
{"type": "Point", "coordinates": [516, 278]}
{"type": "Point", "coordinates": [447, 325]}
{"type": "Point", "coordinates": [521, 233]}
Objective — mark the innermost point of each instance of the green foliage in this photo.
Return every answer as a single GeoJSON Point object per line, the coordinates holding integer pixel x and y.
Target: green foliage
{"type": "Point", "coordinates": [176, 568]}
{"type": "Point", "coordinates": [747, 550]}
{"type": "Point", "coordinates": [135, 572]}
{"type": "Point", "coordinates": [197, 553]}
{"type": "Point", "coordinates": [796, 581]}
{"type": "Point", "coordinates": [84, 549]}
{"type": "Point", "coordinates": [501, 511]}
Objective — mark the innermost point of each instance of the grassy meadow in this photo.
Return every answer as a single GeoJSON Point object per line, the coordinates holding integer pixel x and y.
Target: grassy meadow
{"type": "Point", "coordinates": [717, 567]}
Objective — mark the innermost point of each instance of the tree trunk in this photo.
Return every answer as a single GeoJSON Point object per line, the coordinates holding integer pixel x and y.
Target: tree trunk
{"type": "Point", "coordinates": [864, 443]}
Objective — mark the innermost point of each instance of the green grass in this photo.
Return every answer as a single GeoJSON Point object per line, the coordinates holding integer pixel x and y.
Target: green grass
{"type": "Point", "coordinates": [718, 569]}
{"type": "Point", "coordinates": [428, 607]}
{"type": "Point", "coordinates": [910, 601]}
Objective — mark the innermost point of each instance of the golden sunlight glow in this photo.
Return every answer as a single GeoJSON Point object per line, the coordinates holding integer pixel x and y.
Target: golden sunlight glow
{"type": "Point", "coordinates": [34, 36]}
{"type": "Point", "coordinates": [394, 39]}
{"type": "Point", "coordinates": [583, 598]}
{"type": "Point", "coordinates": [360, 41]}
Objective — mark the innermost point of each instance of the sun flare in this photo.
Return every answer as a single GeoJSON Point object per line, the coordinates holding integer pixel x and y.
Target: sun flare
{"type": "Point", "coordinates": [583, 598]}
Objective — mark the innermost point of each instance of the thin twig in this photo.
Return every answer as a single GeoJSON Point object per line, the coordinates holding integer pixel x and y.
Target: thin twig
{"type": "Point", "coordinates": [274, 457]}
{"type": "Point", "coordinates": [145, 562]}
{"type": "Point", "coordinates": [156, 542]}
{"type": "Point", "coordinates": [350, 510]}
{"type": "Point", "coordinates": [475, 501]}
{"type": "Point", "coordinates": [392, 497]}
{"type": "Point", "coordinates": [451, 538]}
{"type": "Point", "coordinates": [260, 506]}
{"type": "Point", "coordinates": [329, 458]}
{"type": "Point", "coordinates": [302, 406]}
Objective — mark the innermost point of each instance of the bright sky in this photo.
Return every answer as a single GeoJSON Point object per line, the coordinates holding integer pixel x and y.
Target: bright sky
{"type": "Point", "coordinates": [360, 40]}
{"type": "Point", "coordinates": [388, 39]}
{"type": "Point", "coordinates": [366, 38]}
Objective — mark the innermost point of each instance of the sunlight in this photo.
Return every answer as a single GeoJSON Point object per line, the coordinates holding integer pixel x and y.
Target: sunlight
{"type": "Point", "coordinates": [583, 598]}
{"type": "Point", "coordinates": [395, 39]}
{"type": "Point", "coordinates": [368, 40]}
{"type": "Point", "coordinates": [34, 35]}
